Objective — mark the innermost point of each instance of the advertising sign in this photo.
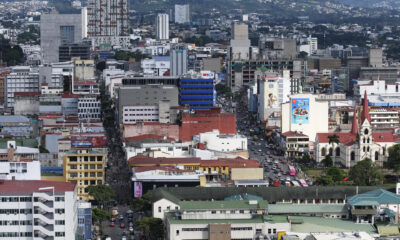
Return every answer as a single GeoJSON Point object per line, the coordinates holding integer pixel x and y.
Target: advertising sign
{"type": "Point", "coordinates": [271, 101]}
{"type": "Point", "coordinates": [96, 142]}
{"type": "Point", "coordinates": [300, 111]}
{"type": "Point", "coordinates": [138, 189]}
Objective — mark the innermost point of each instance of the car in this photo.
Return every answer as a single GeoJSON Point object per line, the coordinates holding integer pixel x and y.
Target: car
{"type": "Point", "coordinates": [113, 219]}
{"type": "Point", "coordinates": [112, 224]}
{"type": "Point", "coordinates": [124, 238]}
{"type": "Point", "coordinates": [270, 156]}
{"type": "Point", "coordinates": [130, 224]}
{"type": "Point", "coordinates": [121, 217]}
{"type": "Point", "coordinates": [130, 229]}
{"type": "Point", "coordinates": [122, 225]}
{"type": "Point", "coordinates": [259, 150]}
{"type": "Point", "coordinates": [282, 170]}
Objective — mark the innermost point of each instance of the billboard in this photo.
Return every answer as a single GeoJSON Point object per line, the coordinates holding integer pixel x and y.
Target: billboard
{"type": "Point", "coordinates": [300, 111]}
{"type": "Point", "coordinates": [137, 189]}
{"type": "Point", "coordinates": [271, 100]}
{"type": "Point", "coordinates": [84, 141]}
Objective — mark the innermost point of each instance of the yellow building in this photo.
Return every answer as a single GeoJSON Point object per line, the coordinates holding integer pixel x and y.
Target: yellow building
{"type": "Point", "coordinates": [84, 167]}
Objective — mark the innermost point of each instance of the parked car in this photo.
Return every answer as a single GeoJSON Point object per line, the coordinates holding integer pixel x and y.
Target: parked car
{"type": "Point", "coordinates": [112, 224]}
{"type": "Point", "coordinates": [122, 225]}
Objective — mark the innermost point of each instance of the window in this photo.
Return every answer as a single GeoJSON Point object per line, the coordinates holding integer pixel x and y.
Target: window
{"type": "Point", "coordinates": [60, 222]}
{"type": "Point", "coordinates": [159, 209]}
{"type": "Point", "coordinates": [376, 156]}
{"type": "Point", "coordinates": [330, 152]}
{"type": "Point", "coordinates": [338, 152]}
{"type": "Point", "coordinates": [352, 156]}
{"type": "Point", "coordinates": [366, 131]}
{"type": "Point", "coordinates": [241, 211]}
{"type": "Point", "coordinates": [269, 230]}
{"type": "Point", "coordinates": [60, 234]}
{"type": "Point", "coordinates": [323, 152]}
{"type": "Point", "coordinates": [177, 232]}
{"type": "Point", "coordinates": [213, 212]}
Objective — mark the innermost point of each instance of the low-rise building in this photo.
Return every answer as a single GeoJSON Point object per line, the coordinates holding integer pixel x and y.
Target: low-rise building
{"type": "Point", "coordinates": [26, 103]}
{"type": "Point", "coordinates": [215, 141]}
{"type": "Point", "coordinates": [297, 144]}
{"type": "Point", "coordinates": [38, 209]}
{"type": "Point", "coordinates": [84, 230]}
{"type": "Point", "coordinates": [84, 167]}
{"type": "Point", "coordinates": [89, 108]}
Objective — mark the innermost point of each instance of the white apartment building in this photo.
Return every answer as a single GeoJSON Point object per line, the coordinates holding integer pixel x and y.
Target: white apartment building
{"type": "Point", "coordinates": [376, 87]}
{"type": "Point", "coordinates": [162, 26]}
{"type": "Point", "coordinates": [38, 210]}
{"type": "Point", "coordinates": [384, 118]}
{"type": "Point", "coordinates": [182, 14]}
{"type": "Point", "coordinates": [215, 141]}
{"type": "Point", "coordinates": [45, 89]}
{"type": "Point", "coordinates": [134, 114]}
{"type": "Point", "coordinates": [313, 42]}
{"type": "Point", "coordinates": [172, 150]}
{"type": "Point", "coordinates": [89, 108]}
{"type": "Point", "coordinates": [27, 170]}
{"type": "Point", "coordinates": [21, 79]}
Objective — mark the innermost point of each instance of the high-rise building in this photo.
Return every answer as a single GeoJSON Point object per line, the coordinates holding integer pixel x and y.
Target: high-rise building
{"type": "Point", "coordinates": [182, 14]}
{"type": "Point", "coordinates": [240, 44]}
{"type": "Point", "coordinates": [108, 18]}
{"type": "Point", "coordinates": [68, 51]}
{"type": "Point", "coordinates": [57, 29]}
{"type": "Point", "coordinates": [179, 61]}
{"type": "Point", "coordinates": [313, 42]}
{"type": "Point", "coordinates": [34, 209]}
{"type": "Point", "coordinates": [162, 26]}
{"type": "Point", "coordinates": [198, 92]}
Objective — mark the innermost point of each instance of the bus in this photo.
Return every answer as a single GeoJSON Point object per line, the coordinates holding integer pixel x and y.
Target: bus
{"type": "Point", "coordinates": [303, 183]}
{"type": "Point", "coordinates": [292, 171]}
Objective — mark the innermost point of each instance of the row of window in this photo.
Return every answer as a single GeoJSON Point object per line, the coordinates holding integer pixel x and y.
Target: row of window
{"type": "Point", "coordinates": [15, 223]}
{"type": "Point", "coordinates": [141, 114]}
{"type": "Point", "coordinates": [241, 229]}
{"type": "Point", "coordinates": [60, 222]}
{"type": "Point", "coordinates": [86, 158]}
{"type": "Point", "coordinates": [140, 109]}
{"type": "Point", "coordinates": [15, 234]}
{"type": "Point", "coordinates": [92, 174]}
{"type": "Point", "coordinates": [224, 212]}
{"type": "Point", "coordinates": [16, 211]}
{"type": "Point", "coordinates": [87, 166]}
{"type": "Point", "coordinates": [194, 229]}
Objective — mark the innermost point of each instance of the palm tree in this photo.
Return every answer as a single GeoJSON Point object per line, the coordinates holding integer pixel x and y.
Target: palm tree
{"type": "Point", "coordinates": [332, 140]}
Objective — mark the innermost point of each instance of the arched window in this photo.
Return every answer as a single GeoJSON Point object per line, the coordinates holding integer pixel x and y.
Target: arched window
{"type": "Point", "coordinates": [367, 140]}
{"type": "Point", "coordinates": [323, 151]}
{"type": "Point", "coordinates": [352, 156]}
{"type": "Point", "coordinates": [330, 152]}
{"type": "Point", "coordinates": [363, 140]}
{"type": "Point", "coordinates": [383, 151]}
{"type": "Point", "coordinates": [364, 149]}
{"type": "Point", "coordinates": [367, 149]}
{"type": "Point", "coordinates": [376, 156]}
{"type": "Point", "coordinates": [337, 151]}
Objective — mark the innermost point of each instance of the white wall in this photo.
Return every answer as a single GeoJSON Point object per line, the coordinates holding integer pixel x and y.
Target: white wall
{"type": "Point", "coordinates": [32, 170]}
{"type": "Point", "coordinates": [163, 204]}
{"type": "Point", "coordinates": [224, 143]}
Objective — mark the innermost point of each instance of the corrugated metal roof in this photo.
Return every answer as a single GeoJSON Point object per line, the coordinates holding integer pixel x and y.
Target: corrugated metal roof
{"type": "Point", "coordinates": [306, 208]}
{"type": "Point", "coordinates": [208, 205]}
{"type": "Point", "coordinates": [373, 198]}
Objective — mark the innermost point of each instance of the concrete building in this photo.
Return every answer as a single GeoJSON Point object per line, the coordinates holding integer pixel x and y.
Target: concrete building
{"type": "Point", "coordinates": [313, 43]}
{"type": "Point", "coordinates": [277, 48]}
{"type": "Point", "coordinates": [297, 144]}
{"type": "Point", "coordinates": [389, 74]}
{"type": "Point", "coordinates": [84, 167]}
{"type": "Point", "coordinates": [145, 97]}
{"type": "Point", "coordinates": [89, 108]}
{"type": "Point", "coordinates": [179, 60]}
{"type": "Point", "coordinates": [83, 70]}
{"type": "Point", "coordinates": [86, 87]}
{"type": "Point", "coordinates": [304, 114]}
{"type": "Point", "coordinates": [239, 48]}
{"type": "Point", "coordinates": [212, 65]}
{"type": "Point", "coordinates": [15, 126]}
{"type": "Point", "coordinates": [25, 170]}
{"type": "Point", "coordinates": [156, 66]}
{"type": "Point", "coordinates": [215, 141]}
{"type": "Point", "coordinates": [182, 13]}
{"type": "Point", "coordinates": [107, 18]}
{"type": "Point", "coordinates": [162, 26]}
{"type": "Point", "coordinates": [26, 103]}
{"type": "Point", "coordinates": [38, 209]}
{"type": "Point", "coordinates": [274, 90]}
{"type": "Point", "coordinates": [375, 56]}
{"type": "Point", "coordinates": [75, 50]}
{"type": "Point", "coordinates": [57, 29]}
{"type": "Point", "coordinates": [21, 79]}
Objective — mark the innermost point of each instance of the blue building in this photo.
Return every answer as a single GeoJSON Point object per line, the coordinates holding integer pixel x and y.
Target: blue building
{"type": "Point", "coordinates": [197, 93]}
{"type": "Point", "coordinates": [84, 230]}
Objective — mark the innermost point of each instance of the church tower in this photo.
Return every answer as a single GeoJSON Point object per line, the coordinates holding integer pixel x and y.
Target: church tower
{"type": "Point", "coordinates": [365, 130]}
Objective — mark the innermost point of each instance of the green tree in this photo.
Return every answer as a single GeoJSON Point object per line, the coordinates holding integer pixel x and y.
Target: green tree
{"type": "Point", "coordinates": [101, 193]}
{"type": "Point", "coordinates": [305, 159]}
{"type": "Point", "coordinates": [152, 228]}
{"type": "Point", "coordinates": [336, 174]}
{"type": "Point", "coordinates": [366, 173]}
{"type": "Point", "coordinates": [142, 203]}
{"type": "Point", "coordinates": [327, 161]}
{"type": "Point", "coordinates": [43, 149]}
{"type": "Point", "coordinates": [393, 161]}
{"type": "Point", "coordinates": [99, 215]}
{"type": "Point", "coordinates": [324, 180]}
{"type": "Point", "coordinates": [333, 139]}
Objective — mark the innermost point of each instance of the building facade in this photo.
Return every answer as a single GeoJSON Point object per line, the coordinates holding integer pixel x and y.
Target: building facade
{"type": "Point", "coordinates": [89, 108]}
{"type": "Point", "coordinates": [107, 18]}
{"type": "Point", "coordinates": [21, 79]}
{"type": "Point", "coordinates": [38, 210]}
{"type": "Point", "coordinates": [77, 50]}
{"type": "Point", "coordinates": [197, 93]}
{"type": "Point", "coordinates": [84, 167]}
{"type": "Point", "coordinates": [57, 29]}
{"type": "Point", "coordinates": [162, 26]}
{"type": "Point", "coordinates": [179, 60]}
{"type": "Point", "coordinates": [182, 13]}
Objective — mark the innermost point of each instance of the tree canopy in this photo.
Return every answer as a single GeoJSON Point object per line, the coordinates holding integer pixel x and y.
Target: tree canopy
{"type": "Point", "coordinates": [142, 203]}
{"type": "Point", "coordinates": [393, 160]}
{"type": "Point", "coordinates": [366, 173]}
{"type": "Point", "coordinates": [101, 193]}
{"type": "Point", "coordinates": [152, 228]}
{"type": "Point", "coordinates": [327, 161]}
{"type": "Point", "coordinates": [99, 215]}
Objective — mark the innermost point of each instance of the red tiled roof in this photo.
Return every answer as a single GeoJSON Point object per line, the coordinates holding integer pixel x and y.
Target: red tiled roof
{"type": "Point", "coordinates": [26, 94]}
{"type": "Point", "coordinates": [149, 123]}
{"type": "Point", "coordinates": [345, 138]}
{"type": "Point", "coordinates": [229, 162]}
{"type": "Point", "coordinates": [29, 186]}
{"type": "Point", "coordinates": [45, 84]}
{"type": "Point", "coordinates": [69, 95]}
{"type": "Point", "coordinates": [147, 136]}
{"type": "Point", "coordinates": [384, 137]}
{"type": "Point", "coordinates": [293, 134]}
{"type": "Point", "coordinates": [86, 82]}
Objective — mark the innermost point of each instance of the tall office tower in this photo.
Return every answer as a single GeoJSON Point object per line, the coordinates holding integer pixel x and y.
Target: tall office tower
{"type": "Point", "coordinates": [182, 14]}
{"type": "Point", "coordinates": [162, 26]}
{"type": "Point", "coordinates": [108, 18]}
{"type": "Point", "coordinates": [179, 63]}
{"type": "Point", "coordinates": [240, 43]}
{"type": "Point", "coordinates": [57, 29]}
